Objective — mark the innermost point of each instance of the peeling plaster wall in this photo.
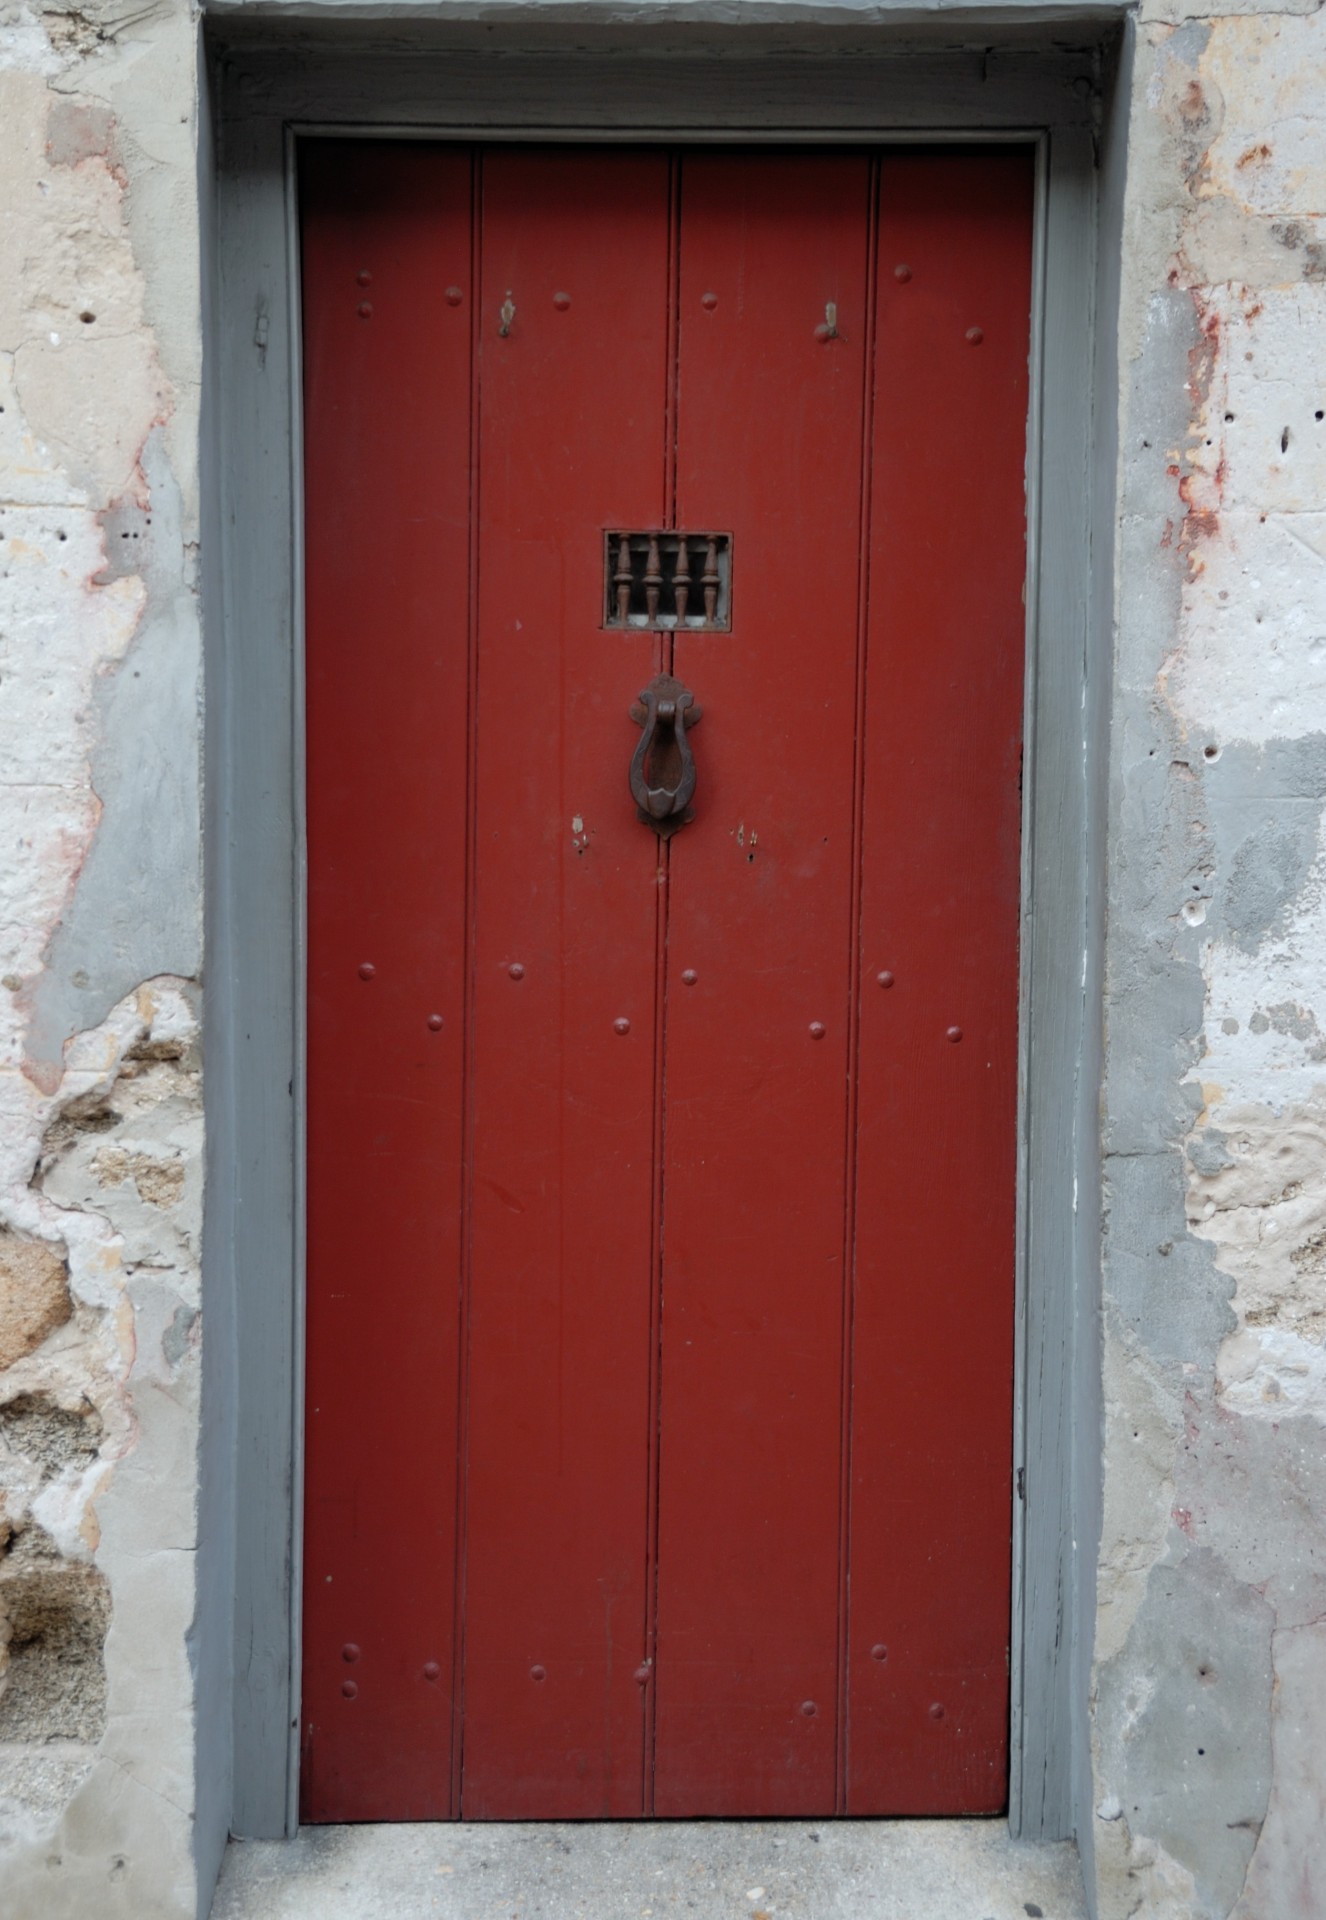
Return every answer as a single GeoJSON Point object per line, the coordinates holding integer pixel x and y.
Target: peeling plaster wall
{"type": "Point", "coordinates": [1210, 1680]}
{"type": "Point", "coordinates": [100, 1108]}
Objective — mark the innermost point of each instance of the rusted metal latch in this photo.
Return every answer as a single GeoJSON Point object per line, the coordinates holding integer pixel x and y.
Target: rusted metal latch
{"type": "Point", "coordinates": [663, 766]}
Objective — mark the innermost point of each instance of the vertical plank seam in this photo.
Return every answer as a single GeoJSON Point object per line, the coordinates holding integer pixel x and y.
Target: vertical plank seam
{"type": "Point", "coordinates": [294, 235]}
{"type": "Point", "coordinates": [466, 1196]}
{"type": "Point", "coordinates": [855, 932]}
{"type": "Point", "coordinates": [672, 369]}
{"type": "Point", "coordinates": [665, 658]}
{"type": "Point", "coordinates": [1026, 1241]}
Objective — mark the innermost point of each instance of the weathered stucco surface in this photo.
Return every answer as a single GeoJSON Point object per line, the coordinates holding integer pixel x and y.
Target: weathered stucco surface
{"type": "Point", "coordinates": [1210, 1727]}
{"type": "Point", "coordinates": [100, 1109]}
{"type": "Point", "coordinates": [1210, 1682]}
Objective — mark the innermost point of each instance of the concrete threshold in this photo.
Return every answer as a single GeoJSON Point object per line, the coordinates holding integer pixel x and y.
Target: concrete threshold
{"type": "Point", "coordinates": [655, 1870]}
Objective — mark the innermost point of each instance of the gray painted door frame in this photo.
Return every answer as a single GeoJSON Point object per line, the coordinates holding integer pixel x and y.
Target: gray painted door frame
{"type": "Point", "coordinates": [276, 73]}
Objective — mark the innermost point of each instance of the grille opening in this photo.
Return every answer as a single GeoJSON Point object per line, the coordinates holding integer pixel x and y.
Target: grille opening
{"type": "Point", "coordinates": [672, 580]}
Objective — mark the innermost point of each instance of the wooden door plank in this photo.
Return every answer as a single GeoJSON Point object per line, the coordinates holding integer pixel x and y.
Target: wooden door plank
{"type": "Point", "coordinates": [769, 450]}
{"type": "Point", "coordinates": [386, 406]}
{"type": "Point", "coordinates": [933, 1359]}
{"type": "Point", "coordinates": [572, 403]}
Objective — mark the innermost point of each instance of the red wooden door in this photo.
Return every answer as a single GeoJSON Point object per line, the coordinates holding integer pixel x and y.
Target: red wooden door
{"type": "Point", "coordinates": [661, 1189]}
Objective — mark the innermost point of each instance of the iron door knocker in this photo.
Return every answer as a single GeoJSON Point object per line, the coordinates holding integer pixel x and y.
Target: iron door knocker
{"type": "Point", "coordinates": [663, 766]}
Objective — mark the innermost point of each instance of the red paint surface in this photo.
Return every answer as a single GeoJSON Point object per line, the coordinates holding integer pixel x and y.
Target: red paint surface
{"type": "Point", "coordinates": [770, 425]}
{"type": "Point", "coordinates": [635, 1350]}
{"type": "Point", "coordinates": [936, 1136]}
{"type": "Point", "coordinates": [560, 1269]}
{"type": "Point", "coordinates": [387, 405]}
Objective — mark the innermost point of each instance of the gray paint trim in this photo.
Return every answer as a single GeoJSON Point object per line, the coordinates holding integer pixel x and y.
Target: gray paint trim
{"type": "Point", "coordinates": [521, 21]}
{"type": "Point", "coordinates": [469, 93]}
{"type": "Point", "coordinates": [1086, 1383]}
{"type": "Point", "coordinates": [1054, 961]}
{"type": "Point", "coordinates": [297, 755]}
{"type": "Point", "coordinates": [252, 969]}
{"type": "Point", "coordinates": [1023, 1537]}
{"type": "Point", "coordinates": [254, 786]}
{"type": "Point", "coordinates": [211, 1641]}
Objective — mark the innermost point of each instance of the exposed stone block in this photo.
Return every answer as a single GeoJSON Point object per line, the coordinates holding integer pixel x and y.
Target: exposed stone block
{"type": "Point", "coordinates": [52, 1437]}
{"type": "Point", "coordinates": [34, 1294]}
{"type": "Point", "coordinates": [53, 1620]}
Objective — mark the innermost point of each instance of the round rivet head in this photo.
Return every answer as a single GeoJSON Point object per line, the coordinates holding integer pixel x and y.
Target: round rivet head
{"type": "Point", "coordinates": [809, 1708]}
{"type": "Point", "coordinates": [708, 301]}
{"type": "Point", "coordinates": [363, 276]}
{"type": "Point", "coordinates": [901, 272]}
{"type": "Point", "coordinates": [538, 1673]}
{"type": "Point", "coordinates": [435, 1023]}
{"type": "Point", "coordinates": [516, 971]}
{"type": "Point", "coordinates": [365, 310]}
{"type": "Point", "coordinates": [954, 1034]}
{"type": "Point", "coordinates": [975, 335]}
{"type": "Point", "coordinates": [366, 970]}
{"type": "Point", "coordinates": [885, 979]}
{"type": "Point", "coordinates": [621, 1026]}
{"type": "Point", "coordinates": [453, 296]}
{"type": "Point", "coordinates": [431, 1670]}
{"type": "Point", "coordinates": [879, 1653]}
{"type": "Point", "coordinates": [689, 978]}
{"type": "Point", "coordinates": [561, 301]}
{"type": "Point", "coordinates": [642, 1674]}
{"type": "Point", "coordinates": [937, 1711]}
{"type": "Point", "coordinates": [349, 1689]}
{"type": "Point", "coordinates": [350, 1652]}
{"type": "Point", "coordinates": [817, 1029]}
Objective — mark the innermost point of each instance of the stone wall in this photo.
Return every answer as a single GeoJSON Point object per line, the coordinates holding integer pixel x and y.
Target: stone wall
{"type": "Point", "coordinates": [1211, 1640]}
{"type": "Point", "coordinates": [1210, 1682]}
{"type": "Point", "coordinates": [100, 1107]}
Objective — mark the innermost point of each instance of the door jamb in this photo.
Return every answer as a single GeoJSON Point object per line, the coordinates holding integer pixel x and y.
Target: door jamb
{"type": "Point", "coordinates": [262, 104]}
